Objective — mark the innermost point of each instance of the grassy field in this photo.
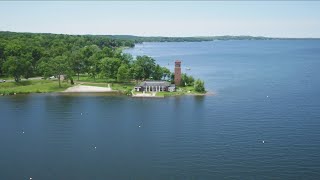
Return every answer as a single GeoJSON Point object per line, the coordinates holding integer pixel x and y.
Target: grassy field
{"type": "Point", "coordinates": [189, 90]}
{"type": "Point", "coordinates": [31, 86]}
{"type": "Point", "coordinates": [45, 86]}
{"type": "Point", "coordinates": [6, 78]}
{"type": "Point", "coordinates": [86, 78]}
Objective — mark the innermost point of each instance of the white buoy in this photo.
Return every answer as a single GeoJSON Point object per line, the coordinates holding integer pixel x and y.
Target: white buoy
{"type": "Point", "coordinates": [267, 96]}
{"type": "Point", "coordinates": [262, 141]}
{"type": "Point", "coordinates": [95, 147]}
{"type": "Point", "coordinates": [81, 114]}
{"type": "Point", "coordinates": [22, 132]}
{"type": "Point", "coordinates": [30, 178]}
{"type": "Point", "coordinates": [139, 126]}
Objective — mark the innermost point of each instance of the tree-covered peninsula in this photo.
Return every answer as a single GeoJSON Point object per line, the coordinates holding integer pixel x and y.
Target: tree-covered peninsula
{"type": "Point", "coordinates": [81, 58]}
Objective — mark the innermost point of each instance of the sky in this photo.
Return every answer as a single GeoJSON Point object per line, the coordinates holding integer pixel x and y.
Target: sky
{"type": "Point", "coordinates": [164, 18]}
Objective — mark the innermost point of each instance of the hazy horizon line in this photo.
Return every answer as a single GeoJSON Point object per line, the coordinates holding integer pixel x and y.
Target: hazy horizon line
{"type": "Point", "coordinates": [136, 35]}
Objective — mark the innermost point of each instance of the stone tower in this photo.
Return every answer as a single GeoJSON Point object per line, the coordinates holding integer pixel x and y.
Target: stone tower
{"type": "Point", "coordinates": [177, 73]}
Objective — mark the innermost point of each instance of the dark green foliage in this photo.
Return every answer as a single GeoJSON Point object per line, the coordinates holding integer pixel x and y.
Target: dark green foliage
{"type": "Point", "coordinates": [126, 58]}
{"type": "Point", "coordinates": [57, 66]}
{"type": "Point", "coordinates": [17, 67]}
{"type": "Point", "coordinates": [77, 61]}
{"type": "Point", "coordinates": [157, 73]}
{"type": "Point", "coordinates": [35, 50]}
{"type": "Point", "coordinates": [146, 65]}
{"type": "Point", "coordinates": [136, 71]}
{"type": "Point", "coordinates": [94, 64]}
{"type": "Point", "coordinates": [160, 72]}
{"type": "Point", "coordinates": [123, 73]}
{"type": "Point", "coordinates": [186, 80]}
{"type": "Point", "coordinates": [1, 65]}
{"type": "Point", "coordinates": [109, 67]}
{"type": "Point", "coordinates": [37, 54]}
{"type": "Point", "coordinates": [199, 86]}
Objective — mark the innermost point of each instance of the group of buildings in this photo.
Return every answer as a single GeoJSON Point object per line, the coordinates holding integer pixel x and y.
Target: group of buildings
{"type": "Point", "coordinates": [158, 86]}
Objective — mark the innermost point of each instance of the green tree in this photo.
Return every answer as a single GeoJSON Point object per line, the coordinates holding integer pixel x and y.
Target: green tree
{"type": "Point", "coordinates": [147, 65]}
{"type": "Point", "coordinates": [16, 67]}
{"type": "Point", "coordinates": [34, 46]}
{"type": "Point", "coordinates": [190, 81]}
{"type": "Point", "coordinates": [199, 86]}
{"type": "Point", "coordinates": [126, 58]}
{"type": "Point", "coordinates": [1, 65]}
{"type": "Point", "coordinates": [29, 69]}
{"type": "Point", "coordinates": [13, 48]}
{"type": "Point", "coordinates": [44, 67]}
{"type": "Point", "coordinates": [157, 72]}
{"type": "Point", "coordinates": [186, 80]}
{"type": "Point", "coordinates": [36, 54]}
{"type": "Point", "coordinates": [108, 51]}
{"type": "Point", "coordinates": [94, 66]}
{"type": "Point", "coordinates": [136, 72]}
{"type": "Point", "coordinates": [109, 67]}
{"type": "Point", "coordinates": [2, 57]}
{"type": "Point", "coordinates": [88, 51]}
{"type": "Point", "coordinates": [60, 66]}
{"type": "Point", "coordinates": [123, 73]}
{"type": "Point", "coordinates": [166, 71]}
{"type": "Point", "coordinates": [57, 66]}
{"type": "Point", "coordinates": [77, 62]}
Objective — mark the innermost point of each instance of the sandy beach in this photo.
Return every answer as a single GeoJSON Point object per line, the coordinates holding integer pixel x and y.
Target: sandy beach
{"type": "Point", "coordinates": [83, 88]}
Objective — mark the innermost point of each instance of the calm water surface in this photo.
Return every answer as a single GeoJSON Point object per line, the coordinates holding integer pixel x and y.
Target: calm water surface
{"type": "Point", "coordinates": [265, 91]}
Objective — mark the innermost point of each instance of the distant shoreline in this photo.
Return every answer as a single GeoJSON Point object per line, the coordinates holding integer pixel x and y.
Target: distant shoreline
{"type": "Point", "coordinates": [141, 39]}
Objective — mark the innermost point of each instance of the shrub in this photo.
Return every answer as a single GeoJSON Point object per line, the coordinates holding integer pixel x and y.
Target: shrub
{"type": "Point", "coordinates": [199, 86]}
{"type": "Point", "coordinates": [186, 80]}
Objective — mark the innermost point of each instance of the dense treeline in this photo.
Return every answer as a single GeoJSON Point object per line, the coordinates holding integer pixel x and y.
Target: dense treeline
{"type": "Point", "coordinates": [32, 54]}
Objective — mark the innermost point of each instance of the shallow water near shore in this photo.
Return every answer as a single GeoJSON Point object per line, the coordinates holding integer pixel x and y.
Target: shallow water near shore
{"type": "Point", "coordinates": [262, 123]}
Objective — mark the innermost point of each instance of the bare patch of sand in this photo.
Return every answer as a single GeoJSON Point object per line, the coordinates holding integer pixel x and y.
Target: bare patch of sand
{"type": "Point", "coordinates": [83, 88]}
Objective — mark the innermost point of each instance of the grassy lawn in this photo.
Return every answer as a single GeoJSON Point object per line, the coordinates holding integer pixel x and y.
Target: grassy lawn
{"type": "Point", "coordinates": [6, 78]}
{"type": "Point", "coordinates": [43, 86]}
{"type": "Point", "coordinates": [189, 90]}
{"type": "Point", "coordinates": [164, 94]}
{"type": "Point", "coordinates": [32, 86]}
{"type": "Point", "coordinates": [86, 78]}
{"type": "Point", "coordinates": [122, 86]}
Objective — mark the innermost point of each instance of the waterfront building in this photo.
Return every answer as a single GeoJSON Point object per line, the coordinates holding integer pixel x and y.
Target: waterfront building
{"type": "Point", "coordinates": [155, 86]}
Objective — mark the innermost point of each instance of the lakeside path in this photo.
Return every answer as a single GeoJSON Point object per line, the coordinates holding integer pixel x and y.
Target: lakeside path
{"type": "Point", "coordinates": [153, 95]}
{"type": "Point", "coordinates": [83, 88]}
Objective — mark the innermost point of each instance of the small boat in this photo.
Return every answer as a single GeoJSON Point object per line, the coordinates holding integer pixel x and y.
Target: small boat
{"type": "Point", "coordinates": [187, 68]}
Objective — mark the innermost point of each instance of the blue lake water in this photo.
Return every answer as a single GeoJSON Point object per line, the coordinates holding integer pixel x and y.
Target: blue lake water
{"type": "Point", "coordinates": [262, 123]}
